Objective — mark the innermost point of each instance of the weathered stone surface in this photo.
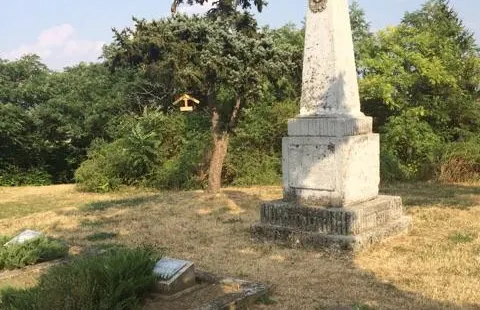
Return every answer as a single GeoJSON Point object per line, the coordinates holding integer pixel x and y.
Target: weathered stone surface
{"type": "Point", "coordinates": [331, 171]}
{"type": "Point", "coordinates": [329, 75]}
{"type": "Point", "coordinates": [348, 228]}
{"type": "Point", "coordinates": [211, 293]}
{"type": "Point", "coordinates": [24, 236]}
{"type": "Point", "coordinates": [175, 275]}
{"type": "Point", "coordinates": [242, 293]}
{"type": "Point", "coordinates": [329, 126]}
{"type": "Point", "coordinates": [350, 220]}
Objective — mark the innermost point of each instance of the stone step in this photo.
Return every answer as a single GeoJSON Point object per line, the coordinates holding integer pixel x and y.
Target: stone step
{"type": "Point", "coordinates": [350, 220]}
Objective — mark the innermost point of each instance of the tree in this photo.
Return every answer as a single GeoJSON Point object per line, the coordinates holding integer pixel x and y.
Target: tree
{"type": "Point", "coordinates": [85, 102]}
{"type": "Point", "coordinates": [215, 60]}
{"type": "Point", "coordinates": [362, 36]}
{"type": "Point", "coordinates": [426, 69]}
{"type": "Point", "coordinates": [24, 82]}
{"type": "Point", "coordinates": [223, 7]}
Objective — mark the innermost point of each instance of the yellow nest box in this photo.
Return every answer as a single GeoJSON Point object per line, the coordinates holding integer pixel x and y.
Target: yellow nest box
{"type": "Point", "coordinates": [186, 99]}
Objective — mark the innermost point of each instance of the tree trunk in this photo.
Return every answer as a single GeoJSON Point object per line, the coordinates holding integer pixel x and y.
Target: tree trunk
{"type": "Point", "coordinates": [220, 147]}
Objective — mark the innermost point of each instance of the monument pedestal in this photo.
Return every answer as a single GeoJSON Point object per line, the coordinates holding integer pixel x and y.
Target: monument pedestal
{"type": "Point", "coordinates": [346, 228]}
{"type": "Point", "coordinates": [331, 173]}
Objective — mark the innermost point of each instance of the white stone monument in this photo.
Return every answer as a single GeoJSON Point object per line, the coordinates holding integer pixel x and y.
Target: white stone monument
{"type": "Point", "coordinates": [331, 167]}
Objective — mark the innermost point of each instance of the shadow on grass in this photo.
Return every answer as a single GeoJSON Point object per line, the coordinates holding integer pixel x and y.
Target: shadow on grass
{"type": "Point", "coordinates": [434, 194]}
{"type": "Point", "coordinates": [119, 203]}
{"type": "Point", "coordinates": [331, 281]}
{"type": "Point", "coordinates": [100, 236]}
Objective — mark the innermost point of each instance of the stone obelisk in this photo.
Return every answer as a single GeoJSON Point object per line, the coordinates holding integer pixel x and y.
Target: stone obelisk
{"type": "Point", "coordinates": [331, 157]}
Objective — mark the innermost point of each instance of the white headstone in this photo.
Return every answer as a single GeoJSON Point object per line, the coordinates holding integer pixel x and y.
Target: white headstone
{"type": "Point", "coordinates": [166, 268]}
{"type": "Point", "coordinates": [175, 275]}
{"type": "Point", "coordinates": [24, 236]}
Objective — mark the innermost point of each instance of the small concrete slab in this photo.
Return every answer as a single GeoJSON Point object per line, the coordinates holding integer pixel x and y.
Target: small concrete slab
{"type": "Point", "coordinates": [211, 293]}
{"type": "Point", "coordinates": [175, 275]}
{"type": "Point", "coordinates": [238, 294]}
{"type": "Point", "coordinates": [24, 236]}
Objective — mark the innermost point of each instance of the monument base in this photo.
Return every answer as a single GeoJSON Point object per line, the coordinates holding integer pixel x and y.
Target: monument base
{"type": "Point", "coordinates": [349, 228]}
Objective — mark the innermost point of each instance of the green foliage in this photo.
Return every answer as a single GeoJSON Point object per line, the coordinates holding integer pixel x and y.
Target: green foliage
{"type": "Point", "coordinates": [30, 252]}
{"type": "Point", "coordinates": [227, 6]}
{"type": "Point", "coordinates": [15, 176]}
{"type": "Point", "coordinates": [411, 144]}
{"type": "Point", "coordinates": [223, 61]}
{"type": "Point", "coordinates": [116, 279]}
{"type": "Point", "coordinates": [155, 149]}
{"type": "Point", "coordinates": [101, 236]}
{"type": "Point", "coordinates": [255, 156]}
{"type": "Point", "coordinates": [25, 82]}
{"type": "Point", "coordinates": [460, 161]}
{"type": "Point", "coordinates": [459, 238]}
{"type": "Point", "coordinates": [419, 80]}
{"type": "Point", "coordinates": [19, 145]}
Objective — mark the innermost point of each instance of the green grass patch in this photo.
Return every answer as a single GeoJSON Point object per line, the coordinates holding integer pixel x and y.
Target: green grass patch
{"type": "Point", "coordinates": [266, 300]}
{"type": "Point", "coordinates": [99, 236]}
{"type": "Point", "coordinates": [459, 238]}
{"type": "Point", "coordinates": [34, 251]}
{"type": "Point", "coordinates": [116, 279]}
{"type": "Point", "coordinates": [90, 223]}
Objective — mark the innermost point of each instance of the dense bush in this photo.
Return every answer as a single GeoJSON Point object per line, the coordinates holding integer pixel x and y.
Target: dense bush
{"type": "Point", "coordinates": [155, 149]}
{"type": "Point", "coordinates": [114, 280]}
{"type": "Point", "coordinates": [409, 146]}
{"type": "Point", "coordinates": [255, 151]}
{"type": "Point", "coordinates": [31, 252]}
{"type": "Point", "coordinates": [460, 162]}
{"type": "Point", "coordinates": [15, 176]}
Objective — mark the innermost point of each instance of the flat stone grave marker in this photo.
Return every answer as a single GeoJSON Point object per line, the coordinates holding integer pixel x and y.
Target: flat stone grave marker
{"type": "Point", "coordinates": [24, 236]}
{"type": "Point", "coordinates": [175, 275]}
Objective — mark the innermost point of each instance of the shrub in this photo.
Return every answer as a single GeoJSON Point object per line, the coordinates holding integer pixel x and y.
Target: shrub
{"type": "Point", "coordinates": [99, 173]}
{"type": "Point", "coordinates": [15, 176]}
{"type": "Point", "coordinates": [409, 147]}
{"type": "Point", "coordinates": [155, 149]}
{"type": "Point", "coordinates": [460, 162]}
{"type": "Point", "coordinates": [254, 168]}
{"type": "Point", "coordinates": [30, 252]}
{"type": "Point", "coordinates": [254, 155]}
{"type": "Point", "coordinates": [114, 280]}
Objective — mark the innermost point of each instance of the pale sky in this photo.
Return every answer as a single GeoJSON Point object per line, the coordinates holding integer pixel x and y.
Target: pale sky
{"type": "Point", "coordinates": [65, 32]}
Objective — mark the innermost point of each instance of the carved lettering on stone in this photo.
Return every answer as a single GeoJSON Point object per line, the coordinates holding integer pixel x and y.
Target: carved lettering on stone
{"type": "Point", "coordinates": [318, 6]}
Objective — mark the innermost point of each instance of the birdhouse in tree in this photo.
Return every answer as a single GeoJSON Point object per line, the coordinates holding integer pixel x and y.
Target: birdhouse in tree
{"type": "Point", "coordinates": [185, 99]}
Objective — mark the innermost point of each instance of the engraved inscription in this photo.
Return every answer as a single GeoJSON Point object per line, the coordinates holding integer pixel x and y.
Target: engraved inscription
{"type": "Point", "coordinates": [312, 166]}
{"type": "Point", "coordinates": [318, 6]}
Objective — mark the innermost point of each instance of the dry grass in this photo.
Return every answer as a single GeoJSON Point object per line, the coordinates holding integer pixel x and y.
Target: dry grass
{"type": "Point", "coordinates": [435, 266]}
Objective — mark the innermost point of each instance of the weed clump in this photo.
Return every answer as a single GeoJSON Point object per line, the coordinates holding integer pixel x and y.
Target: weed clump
{"type": "Point", "coordinates": [28, 253]}
{"type": "Point", "coordinates": [115, 279]}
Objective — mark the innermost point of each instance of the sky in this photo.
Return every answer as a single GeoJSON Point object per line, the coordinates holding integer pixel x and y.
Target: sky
{"type": "Point", "coordinates": [65, 32]}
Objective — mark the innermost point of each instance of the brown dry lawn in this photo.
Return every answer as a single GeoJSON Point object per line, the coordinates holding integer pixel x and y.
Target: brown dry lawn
{"type": "Point", "coordinates": [435, 266]}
